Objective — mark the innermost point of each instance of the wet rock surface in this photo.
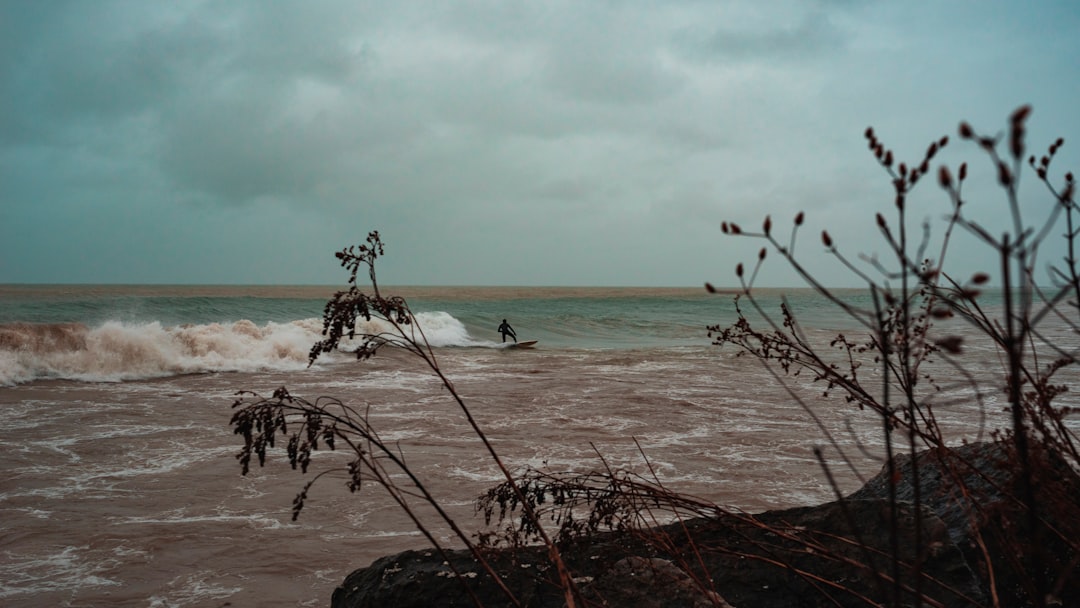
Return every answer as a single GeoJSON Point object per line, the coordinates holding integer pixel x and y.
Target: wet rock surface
{"type": "Point", "coordinates": [835, 554]}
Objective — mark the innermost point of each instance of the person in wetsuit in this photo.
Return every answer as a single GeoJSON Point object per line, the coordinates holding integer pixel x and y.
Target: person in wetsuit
{"type": "Point", "coordinates": [505, 330]}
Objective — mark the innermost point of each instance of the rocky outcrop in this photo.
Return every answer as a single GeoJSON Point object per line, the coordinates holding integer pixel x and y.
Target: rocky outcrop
{"type": "Point", "coordinates": [970, 526]}
{"type": "Point", "coordinates": [650, 583]}
{"type": "Point", "coordinates": [977, 494]}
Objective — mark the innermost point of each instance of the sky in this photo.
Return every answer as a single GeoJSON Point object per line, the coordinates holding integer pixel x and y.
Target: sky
{"type": "Point", "coordinates": [504, 143]}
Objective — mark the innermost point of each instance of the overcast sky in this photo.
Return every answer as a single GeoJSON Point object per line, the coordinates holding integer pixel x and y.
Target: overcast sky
{"type": "Point", "coordinates": [496, 143]}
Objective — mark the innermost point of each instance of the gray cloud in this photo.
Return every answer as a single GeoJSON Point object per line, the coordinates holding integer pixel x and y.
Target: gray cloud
{"type": "Point", "coordinates": [804, 37]}
{"type": "Point", "coordinates": [454, 127]}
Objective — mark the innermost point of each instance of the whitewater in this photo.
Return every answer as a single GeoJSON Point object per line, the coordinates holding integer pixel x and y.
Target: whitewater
{"type": "Point", "coordinates": [116, 333]}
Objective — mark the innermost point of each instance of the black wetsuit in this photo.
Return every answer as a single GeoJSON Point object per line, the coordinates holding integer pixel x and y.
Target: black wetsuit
{"type": "Point", "coordinates": [505, 329]}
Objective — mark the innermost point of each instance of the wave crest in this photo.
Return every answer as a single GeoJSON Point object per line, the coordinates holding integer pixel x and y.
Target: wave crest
{"type": "Point", "coordinates": [115, 351]}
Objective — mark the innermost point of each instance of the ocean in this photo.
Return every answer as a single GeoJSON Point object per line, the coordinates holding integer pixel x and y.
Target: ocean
{"type": "Point", "coordinates": [120, 486]}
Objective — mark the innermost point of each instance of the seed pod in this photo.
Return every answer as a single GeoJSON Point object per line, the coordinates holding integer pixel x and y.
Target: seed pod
{"type": "Point", "coordinates": [1016, 141]}
{"type": "Point", "coordinates": [825, 238]}
{"type": "Point", "coordinates": [941, 312]}
{"type": "Point", "coordinates": [950, 344]}
{"type": "Point", "coordinates": [944, 177]}
{"type": "Point", "coordinates": [1020, 115]}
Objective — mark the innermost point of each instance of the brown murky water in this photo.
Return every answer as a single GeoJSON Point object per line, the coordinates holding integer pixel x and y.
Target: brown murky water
{"type": "Point", "coordinates": [129, 493]}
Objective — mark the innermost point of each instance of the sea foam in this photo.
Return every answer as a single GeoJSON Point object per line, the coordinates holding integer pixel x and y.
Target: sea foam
{"type": "Point", "coordinates": [115, 351]}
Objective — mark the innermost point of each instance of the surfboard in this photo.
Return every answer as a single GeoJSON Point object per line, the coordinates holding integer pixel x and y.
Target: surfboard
{"type": "Point", "coordinates": [526, 344]}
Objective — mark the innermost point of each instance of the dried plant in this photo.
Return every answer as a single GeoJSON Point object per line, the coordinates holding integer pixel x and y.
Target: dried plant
{"type": "Point", "coordinates": [328, 422]}
{"type": "Point", "coordinates": [887, 371]}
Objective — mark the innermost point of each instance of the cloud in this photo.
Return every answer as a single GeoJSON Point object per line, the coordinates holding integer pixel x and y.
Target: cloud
{"type": "Point", "coordinates": [801, 36]}
{"type": "Point", "coordinates": [454, 128]}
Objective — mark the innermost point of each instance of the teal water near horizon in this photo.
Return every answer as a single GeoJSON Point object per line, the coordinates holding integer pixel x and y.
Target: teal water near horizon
{"type": "Point", "coordinates": [191, 329]}
{"type": "Point", "coordinates": [165, 330]}
{"type": "Point", "coordinates": [180, 304]}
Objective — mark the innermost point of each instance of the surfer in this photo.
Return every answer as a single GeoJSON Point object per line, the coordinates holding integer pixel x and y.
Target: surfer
{"type": "Point", "coordinates": [505, 329]}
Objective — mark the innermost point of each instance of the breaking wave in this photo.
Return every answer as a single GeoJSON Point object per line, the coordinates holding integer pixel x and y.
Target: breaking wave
{"type": "Point", "coordinates": [115, 351]}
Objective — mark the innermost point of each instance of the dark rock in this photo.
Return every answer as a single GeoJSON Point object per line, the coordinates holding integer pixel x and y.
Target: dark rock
{"type": "Point", "coordinates": [977, 493]}
{"type": "Point", "coordinates": [650, 583]}
{"type": "Point", "coordinates": [836, 554]}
